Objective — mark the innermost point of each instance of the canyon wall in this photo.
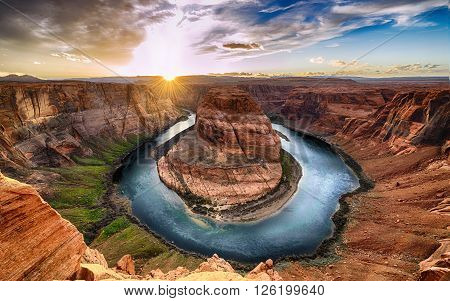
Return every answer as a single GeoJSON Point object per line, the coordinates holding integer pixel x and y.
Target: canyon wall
{"type": "Point", "coordinates": [399, 229]}
{"type": "Point", "coordinates": [43, 124]}
{"type": "Point", "coordinates": [408, 120]}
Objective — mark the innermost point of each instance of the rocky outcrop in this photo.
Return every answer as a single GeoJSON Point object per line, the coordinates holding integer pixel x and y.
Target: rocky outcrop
{"type": "Point", "coordinates": [231, 157]}
{"type": "Point", "coordinates": [215, 264]}
{"type": "Point", "coordinates": [214, 269]}
{"type": "Point", "coordinates": [43, 124]}
{"type": "Point", "coordinates": [410, 119]}
{"type": "Point", "coordinates": [264, 272]}
{"type": "Point", "coordinates": [437, 266]}
{"type": "Point", "coordinates": [94, 256]}
{"type": "Point", "coordinates": [36, 243]}
{"type": "Point", "coordinates": [126, 265]}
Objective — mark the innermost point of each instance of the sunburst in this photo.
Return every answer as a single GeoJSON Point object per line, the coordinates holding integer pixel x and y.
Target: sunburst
{"type": "Point", "coordinates": [169, 86]}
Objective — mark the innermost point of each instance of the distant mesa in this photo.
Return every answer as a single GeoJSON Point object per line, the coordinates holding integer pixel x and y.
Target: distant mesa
{"type": "Point", "coordinates": [20, 78]}
{"type": "Point", "coordinates": [230, 158]}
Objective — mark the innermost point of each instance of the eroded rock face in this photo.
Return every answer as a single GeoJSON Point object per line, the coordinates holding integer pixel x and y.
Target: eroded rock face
{"type": "Point", "coordinates": [45, 123]}
{"type": "Point", "coordinates": [437, 266]}
{"type": "Point", "coordinates": [323, 109]}
{"type": "Point", "coordinates": [36, 243]}
{"type": "Point", "coordinates": [410, 119]}
{"type": "Point", "coordinates": [231, 157]}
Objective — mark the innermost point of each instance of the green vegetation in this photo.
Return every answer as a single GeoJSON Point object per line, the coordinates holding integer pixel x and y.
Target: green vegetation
{"type": "Point", "coordinates": [286, 165]}
{"type": "Point", "coordinates": [170, 260]}
{"type": "Point", "coordinates": [83, 218]}
{"type": "Point", "coordinates": [77, 194]}
{"type": "Point", "coordinates": [131, 240]}
{"type": "Point", "coordinates": [115, 226]}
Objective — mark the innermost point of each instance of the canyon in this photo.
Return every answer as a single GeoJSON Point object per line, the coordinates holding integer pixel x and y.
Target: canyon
{"type": "Point", "coordinates": [396, 131]}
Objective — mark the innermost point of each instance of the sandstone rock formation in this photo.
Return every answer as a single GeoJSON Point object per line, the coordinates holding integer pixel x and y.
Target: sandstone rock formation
{"type": "Point", "coordinates": [437, 266]}
{"type": "Point", "coordinates": [215, 264]}
{"type": "Point", "coordinates": [264, 272]}
{"type": "Point", "coordinates": [323, 109]}
{"type": "Point", "coordinates": [36, 243]}
{"type": "Point", "coordinates": [410, 119]}
{"type": "Point", "coordinates": [95, 257]}
{"type": "Point", "coordinates": [232, 157]}
{"type": "Point", "coordinates": [126, 264]}
{"type": "Point", "coordinates": [43, 124]}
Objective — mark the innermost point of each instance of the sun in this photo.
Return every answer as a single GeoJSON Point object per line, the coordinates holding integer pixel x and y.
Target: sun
{"type": "Point", "coordinates": [169, 76]}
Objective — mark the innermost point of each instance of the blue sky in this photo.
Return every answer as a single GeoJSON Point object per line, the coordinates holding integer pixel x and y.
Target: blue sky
{"type": "Point", "coordinates": [177, 37]}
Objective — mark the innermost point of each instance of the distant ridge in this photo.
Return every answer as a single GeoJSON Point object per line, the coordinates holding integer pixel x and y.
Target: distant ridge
{"type": "Point", "coordinates": [20, 78]}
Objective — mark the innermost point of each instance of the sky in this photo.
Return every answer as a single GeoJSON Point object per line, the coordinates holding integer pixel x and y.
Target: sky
{"type": "Point", "coordinates": [92, 38]}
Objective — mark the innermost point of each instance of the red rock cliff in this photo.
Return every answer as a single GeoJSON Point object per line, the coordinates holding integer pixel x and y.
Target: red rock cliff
{"type": "Point", "coordinates": [44, 123]}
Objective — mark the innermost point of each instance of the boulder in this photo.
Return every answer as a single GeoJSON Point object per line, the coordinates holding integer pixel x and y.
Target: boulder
{"type": "Point", "coordinates": [264, 272]}
{"type": "Point", "coordinates": [126, 265]}
{"type": "Point", "coordinates": [215, 264]}
{"type": "Point", "coordinates": [95, 257]}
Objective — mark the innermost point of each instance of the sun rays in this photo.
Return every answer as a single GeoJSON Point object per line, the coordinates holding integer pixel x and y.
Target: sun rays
{"type": "Point", "coordinates": [169, 86]}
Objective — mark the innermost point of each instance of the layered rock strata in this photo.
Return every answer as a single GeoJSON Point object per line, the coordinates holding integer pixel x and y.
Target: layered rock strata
{"type": "Point", "coordinates": [232, 156]}
{"type": "Point", "coordinates": [44, 124]}
{"type": "Point", "coordinates": [36, 243]}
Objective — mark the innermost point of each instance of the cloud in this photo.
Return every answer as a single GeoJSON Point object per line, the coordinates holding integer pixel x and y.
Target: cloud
{"type": "Point", "coordinates": [413, 68]}
{"type": "Point", "coordinates": [72, 57]}
{"type": "Point", "coordinates": [342, 63]}
{"type": "Point", "coordinates": [317, 60]}
{"type": "Point", "coordinates": [357, 68]}
{"type": "Point", "coordinates": [289, 27]}
{"type": "Point", "coordinates": [274, 9]}
{"type": "Point", "coordinates": [403, 12]}
{"type": "Point", "coordinates": [249, 46]}
{"type": "Point", "coordinates": [37, 63]}
{"type": "Point", "coordinates": [107, 30]}
{"type": "Point", "coordinates": [334, 45]}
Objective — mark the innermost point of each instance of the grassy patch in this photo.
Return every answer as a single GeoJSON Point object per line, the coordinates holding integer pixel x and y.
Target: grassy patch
{"type": "Point", "coordinates": [170, 260]}
{"type": "Point", "coordinates": [77, 197]}
{"type": "Point", "coordinates": [81, 186]}
{"type": "Point", "coordinates": [132, 240]}
{"type": "Point", "coordinates": [83, 218]}
{"type": "Point", "coordinates": [115, 226]}
{"type": "Point", "coordinates": [78, 193]}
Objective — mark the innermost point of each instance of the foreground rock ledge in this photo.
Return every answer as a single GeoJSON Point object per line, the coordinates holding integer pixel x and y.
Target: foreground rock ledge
{"type": "Point", "coordinates": [231, 158]}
